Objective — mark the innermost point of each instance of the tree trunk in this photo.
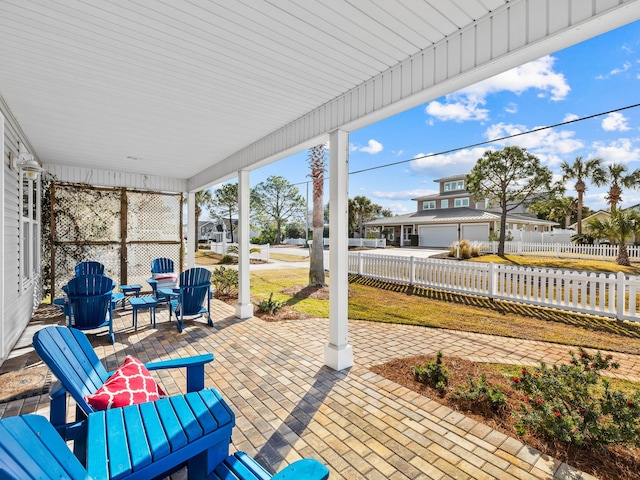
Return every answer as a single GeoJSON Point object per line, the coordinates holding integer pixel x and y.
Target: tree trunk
{"type": "Point", "coordinates": [196, 229]}
{"type": "Point", "coordinates": [503, 231]}
{"type": "Point", "coordinates": [316, 255]}
{"type": "Point", "coordinates": [231, 225]}
{"type": "Point", "coordinates": [580, 197]}
{"type": "Point", "coordinates": [623, 256]}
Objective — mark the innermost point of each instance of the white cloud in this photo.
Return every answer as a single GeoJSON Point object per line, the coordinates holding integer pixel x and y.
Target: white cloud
{"type": "Point", "coordinates": [537, 74]}
{"type": "Point", "coordinates": [373, 147]}
{"type": "Point", "coordinates": [618, 151]}
{"type": "Point", "coordinates": [457, 111]}
{"type": "Point", "coordinates": [511, 108]}
{"type": "Point", "coordinates": [569, 117]}
{"type": "Point", "coordinates": [626, 66]}
{"type": "Point", "coordinates": [461, 161]}
{"type": "Point", "coordinates": [467, 103]}
{"type": "Point", "coordinates": [615, 121]}
{"type": "Point", "coordinates": [547, 144]}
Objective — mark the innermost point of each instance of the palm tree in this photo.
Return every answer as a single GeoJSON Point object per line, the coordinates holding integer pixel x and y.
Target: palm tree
{"type": "Point", "coordinates": [580, 170]}
{"type": "Point", "coordinates": [622, 225]}
{"type": "Point", "coordinates": [616, 176]}
{"type": "Point", "coordinates": [203, 199]}
{"type": "Point", "coordinates": [316, 255]}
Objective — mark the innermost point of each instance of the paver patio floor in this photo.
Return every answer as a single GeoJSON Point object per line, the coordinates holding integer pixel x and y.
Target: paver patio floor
{"type": "Point", "coordinates": [288, 405]}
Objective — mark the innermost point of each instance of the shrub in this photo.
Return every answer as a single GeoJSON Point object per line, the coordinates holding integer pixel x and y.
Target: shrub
{"type": "Point", "coordinates": [482, 393]}
{"type": "Point", "coordinates": [233, 250]}
{"type": "Point", "coordinates": [465, 249]}
{"type": "Point", "coordinates": [270, 306]}
{"type": "Point", "coordinates": [224, 281]}
{"type": "Point", "coordinates": [433, 373]}
{"type": "Point", "coordinates": [227, 259]}
{"type": "Point", "coordinates": [572, 403]}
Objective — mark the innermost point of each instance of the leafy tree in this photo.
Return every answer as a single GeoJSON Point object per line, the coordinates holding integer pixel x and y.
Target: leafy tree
{"type": "Point", "coordinates": [511, 177]}
{"type": "Point", "coordinates": [580, 170]}
{"type": "Point", "coordinates": [616, 176]}
{"type": "Point", "coordinates": [278, 201]}
{"type": "Point", "coordinates": [620, 227]}
{"type": "Point", "coordinates": [361, 210]}
{"type": "Point", "coordinates": [556, 209]}
{"type": "Point", "coordinates": [224, 203]}
{"type": "Point", "coordinates": [316, 160]}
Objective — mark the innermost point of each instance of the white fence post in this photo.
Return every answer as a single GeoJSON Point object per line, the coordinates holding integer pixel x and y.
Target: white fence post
{"type": "Point", "coordinates": [359, 263]}
{"type": "Point", "coordinates": [620, 295]}
{"type": "Point", "coordinates": [492, 280]}
{"type": "Point", "coordinates": [412, 271]}
{"type": "Point", "coordinates": [268, 247]}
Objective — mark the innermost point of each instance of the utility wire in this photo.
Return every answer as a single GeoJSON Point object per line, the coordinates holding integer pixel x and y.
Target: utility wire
{"type": "Point", "coordinates": [486, 142]}
{"type": "Point", "coordinates": [539, 129]}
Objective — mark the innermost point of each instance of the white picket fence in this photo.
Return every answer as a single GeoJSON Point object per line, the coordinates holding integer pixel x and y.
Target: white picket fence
{"type": "Point", "coordinates": [609, 295]}
{"type": "Point", "coordinates": [560, 250]}
{"type": "Point", "coordinates": [221, 249]}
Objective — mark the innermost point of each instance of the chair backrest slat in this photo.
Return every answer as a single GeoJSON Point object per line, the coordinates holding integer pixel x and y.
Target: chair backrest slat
{"type": "Point", "coordinates": [89, 268]}
{"type": "Point", "coordinates": [162, 265]}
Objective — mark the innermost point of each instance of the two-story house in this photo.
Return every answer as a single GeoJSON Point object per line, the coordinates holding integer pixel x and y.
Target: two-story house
{"type": "Point", "coordinates": [452, 215]}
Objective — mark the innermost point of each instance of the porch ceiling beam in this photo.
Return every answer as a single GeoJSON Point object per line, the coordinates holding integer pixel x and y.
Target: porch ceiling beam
{"type": "Point", "coordinates": [511, 35]}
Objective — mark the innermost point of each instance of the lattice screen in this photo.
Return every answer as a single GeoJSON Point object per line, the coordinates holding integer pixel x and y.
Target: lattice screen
{"type": "Point", "coordinates": [88, 222]}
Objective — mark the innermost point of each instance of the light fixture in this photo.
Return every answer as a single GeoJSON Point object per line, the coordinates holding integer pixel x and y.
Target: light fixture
{"type": "Point", "coordinates": [25, 162]}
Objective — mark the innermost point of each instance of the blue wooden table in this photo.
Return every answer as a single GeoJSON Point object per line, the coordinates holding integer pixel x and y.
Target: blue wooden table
{"type": "Point", "coordinates": [138, 303]}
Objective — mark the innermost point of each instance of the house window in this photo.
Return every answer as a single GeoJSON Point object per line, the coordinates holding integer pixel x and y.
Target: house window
{"type": "Point", "coordinates": [462, 202]}
{"type": "Point", "coordinates": [429, 205]}
{"type": "Point", "coordinates": [444, 203]}
{"type": "Point", "coordinates": [459, 185]}
{"type": "Point", "coordinates": [407, 232]}
{"type": "Point", "coordinates": [29, 229]}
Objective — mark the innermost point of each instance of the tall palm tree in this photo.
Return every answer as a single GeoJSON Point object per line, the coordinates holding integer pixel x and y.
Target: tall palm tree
{"type": "Point", "coordinates": [316, 255]}
{"type": "Point", "coordinates": [580, 170]}
{"type": "Point", "coordinates": [622, 225]}
{"type": "Point", "coordinates": [616, 176]}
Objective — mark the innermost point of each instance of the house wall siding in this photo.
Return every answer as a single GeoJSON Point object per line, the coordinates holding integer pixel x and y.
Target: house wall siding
{"type": "Point", "coordinates": [17, 305]}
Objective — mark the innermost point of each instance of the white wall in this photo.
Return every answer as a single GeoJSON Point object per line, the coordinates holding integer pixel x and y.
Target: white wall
{"type": "Point", "coordinates": [16, 306]}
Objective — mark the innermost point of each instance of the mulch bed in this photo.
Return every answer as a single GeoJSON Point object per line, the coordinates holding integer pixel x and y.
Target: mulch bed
{"type": "Point", "coordinates": [615, 463]}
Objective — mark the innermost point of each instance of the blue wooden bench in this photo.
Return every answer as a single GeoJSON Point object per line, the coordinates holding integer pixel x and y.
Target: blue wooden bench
{"type": "Point", "coordinates": [134, 443]}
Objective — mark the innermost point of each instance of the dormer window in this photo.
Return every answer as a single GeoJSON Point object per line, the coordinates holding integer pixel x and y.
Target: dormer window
{"type": "Point", "coordinates": [457, 185]}
{"type": "Point", "coordinates": [462, 202]}
{"type": "Point", "coordinates": [430, 205]}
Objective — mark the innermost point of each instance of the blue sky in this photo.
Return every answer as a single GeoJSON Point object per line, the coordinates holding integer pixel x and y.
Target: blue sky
{"type": "Point", "coordinates": [595, 76]}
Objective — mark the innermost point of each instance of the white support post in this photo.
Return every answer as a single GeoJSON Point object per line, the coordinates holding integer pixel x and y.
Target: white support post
{"type": "Point", "coordinates": [401, 236]}
{"type": "Point", "coordinates": [192, 229]}
{"type": "Point", "coordinates": [244, 307]}
{"type": "Point", "coordinates": [338, 354]}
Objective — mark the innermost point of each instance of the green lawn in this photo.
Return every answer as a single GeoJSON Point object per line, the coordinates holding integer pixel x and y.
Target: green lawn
{"type": "Point", "coordinates": [378, 301]}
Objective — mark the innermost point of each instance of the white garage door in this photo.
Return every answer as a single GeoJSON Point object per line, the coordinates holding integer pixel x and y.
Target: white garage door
{"type": "Point", "coordinates": [475, 233]}
{"type": "Point", "coordinates": [437, 235]}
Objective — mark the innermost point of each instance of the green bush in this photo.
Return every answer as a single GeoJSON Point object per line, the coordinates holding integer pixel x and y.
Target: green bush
{"type": "Point", "coordinates": [574, 404]}
{"type": "Point", "coordinates": [224, 281]}
{"type": "Point", "coordinates": [433, 373]}
{"type": "Point", "coordinates": [227, 259]}
{"type": "Point", "coordinates": [482, 393]}
{"type": "Point", "coordinates": [270, 306]}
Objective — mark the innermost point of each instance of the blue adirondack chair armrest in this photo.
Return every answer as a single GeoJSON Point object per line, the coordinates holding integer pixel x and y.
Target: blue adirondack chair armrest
{"type": "Point", "coordinates": [307, 468]}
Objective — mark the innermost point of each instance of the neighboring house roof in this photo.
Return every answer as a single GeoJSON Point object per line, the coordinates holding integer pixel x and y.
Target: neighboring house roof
{"type": "Point", "coordinates": [460, 176]}
{"type": "Point", "coordinates": [598, 214]}
{"type": "Point", "coordinates": [459, 215]}
{"type": "Point", "coordinates": [203, 223]}
{"type": "Point", "coordinates": [449, 193]}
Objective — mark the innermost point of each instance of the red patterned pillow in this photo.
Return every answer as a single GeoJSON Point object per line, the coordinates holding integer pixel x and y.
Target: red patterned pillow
{"type": "Point", "coordinates": [129, 385]}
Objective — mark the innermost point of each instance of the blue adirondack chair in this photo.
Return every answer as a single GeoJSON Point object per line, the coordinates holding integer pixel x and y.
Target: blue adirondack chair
{"type": "Point", "coordinates": [72, 359]}
{"type": "Point", "coordinates": [30, 448]}
{"type": "Point", "coordinates": [160, 266]}
{"type": "Point", "coordinates": [90, 303]}
{"type": "Point", "coordinates": [189, 298]}
{"type": "Point", "coordinates": [89, 268]}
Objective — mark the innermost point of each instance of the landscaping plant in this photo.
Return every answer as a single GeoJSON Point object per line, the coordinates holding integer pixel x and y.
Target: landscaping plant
{"type": "Point", "coordinates": [224, 281]}
{"type": "Point", "coordinates": [270, 306]}
{"type": "Point", "coordinates": [433, 373]}
{"type": "Point", "coordinates": [481, 393]}
{"type": "Point", "coordinates": [573, 403]}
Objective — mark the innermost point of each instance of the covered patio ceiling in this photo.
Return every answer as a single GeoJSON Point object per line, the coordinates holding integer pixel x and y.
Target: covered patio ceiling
{"type": "Point", "coordinates": [197, 90]}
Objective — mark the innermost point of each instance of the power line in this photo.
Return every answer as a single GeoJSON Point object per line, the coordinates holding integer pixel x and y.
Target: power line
{"type": "Point", "coordinates": [486, 142]}
{"type": "Point", "coordinates": [539, 129]}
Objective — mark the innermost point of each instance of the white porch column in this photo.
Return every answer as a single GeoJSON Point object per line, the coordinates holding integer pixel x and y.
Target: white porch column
{"type": "Point", "coordinates": [401, 236]}
{"type": "Point", "coordinates": [244, 307]}
{"type": "Point", "coordinates": [192, 229]}
{"type": "Point", "coordinates": [338, 354]}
